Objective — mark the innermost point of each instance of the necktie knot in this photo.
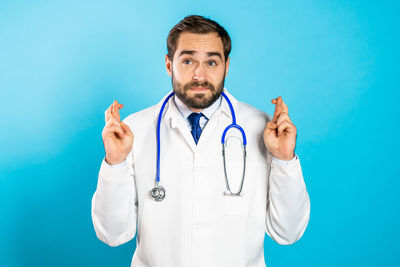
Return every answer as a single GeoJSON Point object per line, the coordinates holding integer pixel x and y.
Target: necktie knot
{"type": "Point", "coordinates": [194, 119]}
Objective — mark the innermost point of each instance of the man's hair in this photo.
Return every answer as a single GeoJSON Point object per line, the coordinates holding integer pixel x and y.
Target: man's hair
{"type": "Point", "coordinates": [200, 25]}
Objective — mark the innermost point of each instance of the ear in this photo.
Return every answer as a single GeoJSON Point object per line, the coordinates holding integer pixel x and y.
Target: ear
{"type": "Point", "coordinates": [168, 65]}
{"type": "Point", "coordinates": [227, 66]}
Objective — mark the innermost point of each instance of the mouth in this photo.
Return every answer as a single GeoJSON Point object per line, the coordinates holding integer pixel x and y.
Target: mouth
{"type": "Point", "coordinates": [199, 89]}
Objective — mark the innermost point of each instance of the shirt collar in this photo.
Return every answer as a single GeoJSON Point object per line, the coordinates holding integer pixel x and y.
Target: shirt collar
{"type": "Point", "coordinates": [186, 111]}
{"type": "Point", "coordinates": [172, 112]}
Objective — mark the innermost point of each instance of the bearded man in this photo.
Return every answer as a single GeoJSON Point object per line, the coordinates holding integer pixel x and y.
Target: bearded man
{"type": "Point", "coordinates": [165, 178]}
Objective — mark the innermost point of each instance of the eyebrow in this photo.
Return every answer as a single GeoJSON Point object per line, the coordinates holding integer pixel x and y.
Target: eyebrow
{"type": "Point", "coordinates": [192, 52]}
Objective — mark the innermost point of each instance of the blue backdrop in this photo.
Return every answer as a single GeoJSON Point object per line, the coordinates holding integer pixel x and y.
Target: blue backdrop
{"type": "Point", "coordinates": [335, 63]}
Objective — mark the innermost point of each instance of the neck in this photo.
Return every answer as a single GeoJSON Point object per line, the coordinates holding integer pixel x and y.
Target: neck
{"type": "Point", "coordinates": [196, 110]}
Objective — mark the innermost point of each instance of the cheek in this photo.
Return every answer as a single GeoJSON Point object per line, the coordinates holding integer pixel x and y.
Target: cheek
{"type": "Point", "coordinates": [217, 76]}
{"type": "Point", "coordinates": [182, 74]}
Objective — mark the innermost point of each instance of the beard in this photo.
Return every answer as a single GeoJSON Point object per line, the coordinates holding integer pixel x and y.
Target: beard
{"type": "Point", "coordinates": [198, 100]}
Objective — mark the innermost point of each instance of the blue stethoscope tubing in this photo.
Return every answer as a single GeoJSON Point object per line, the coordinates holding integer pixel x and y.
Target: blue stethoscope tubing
{"type": "Point", "coordinates": [158, 192]}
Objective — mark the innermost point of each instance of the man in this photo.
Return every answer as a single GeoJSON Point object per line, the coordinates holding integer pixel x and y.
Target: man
{"type": "Point", "coordinates": [196, 224]}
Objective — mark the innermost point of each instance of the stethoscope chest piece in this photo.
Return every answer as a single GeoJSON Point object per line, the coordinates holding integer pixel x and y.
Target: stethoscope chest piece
{"type": "Point", "coordinates": [157, 193]}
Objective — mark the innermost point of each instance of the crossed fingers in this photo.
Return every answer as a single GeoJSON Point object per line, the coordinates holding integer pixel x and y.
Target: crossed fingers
{"type": "Point", "coordinates": [281, 120]}
{"type": "Point", "coordinates": [112, 113]}
{"type": "Point", "coordinates": [112, 117]}
{"type": "Point", "coordinates": [280, 107]}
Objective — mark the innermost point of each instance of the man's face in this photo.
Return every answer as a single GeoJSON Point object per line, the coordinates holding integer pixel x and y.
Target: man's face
{"type": "Point", "coordinates": [198, 69]}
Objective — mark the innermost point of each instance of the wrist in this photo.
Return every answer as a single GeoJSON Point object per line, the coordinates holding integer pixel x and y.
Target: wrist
{"type": "Point", "coordinates": [113, 162]}
{"type": "Point", "coordinates": [284, 157]}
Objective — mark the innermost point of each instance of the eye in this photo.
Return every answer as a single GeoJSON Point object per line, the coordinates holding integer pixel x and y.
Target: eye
{"type": "Point", "coordinates": [212, 63]}
{"type": "Point", "coordinates": [187, 61]}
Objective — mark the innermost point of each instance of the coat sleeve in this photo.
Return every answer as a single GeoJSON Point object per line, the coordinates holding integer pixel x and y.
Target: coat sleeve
{"type": "Point", "coordinates": [114, 204]}
{"type": "Point", "coordinates": [288, 203]}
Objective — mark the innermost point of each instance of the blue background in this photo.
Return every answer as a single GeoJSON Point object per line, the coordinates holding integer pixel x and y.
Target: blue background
{"type": "Point", "coordinates": [335, 63]}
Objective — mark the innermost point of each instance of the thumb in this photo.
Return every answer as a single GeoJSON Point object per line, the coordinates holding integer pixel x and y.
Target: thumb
{"type": "Point", "coordinates": [126, 129]}
{"type": "Point", "coordinates": [270, 127]}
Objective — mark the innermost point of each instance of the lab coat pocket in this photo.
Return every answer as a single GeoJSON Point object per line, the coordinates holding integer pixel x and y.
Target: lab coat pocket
{"type": "Point", "coordinates": [252, 200]}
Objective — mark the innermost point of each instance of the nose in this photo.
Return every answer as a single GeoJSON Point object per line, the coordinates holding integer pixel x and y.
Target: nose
{"type": "Point", "coordinates": [199, 74]}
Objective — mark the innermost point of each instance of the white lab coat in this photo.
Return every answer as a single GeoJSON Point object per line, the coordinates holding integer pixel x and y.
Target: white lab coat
{"type": "Point", "coordinates": [196, 225]}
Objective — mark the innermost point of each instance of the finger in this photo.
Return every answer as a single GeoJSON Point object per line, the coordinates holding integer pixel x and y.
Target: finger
{"type": "Point", "coordinates": [279, 103]}
{"type": "Point", "coordinates": [271, 126]}
{"type": "Point", "coordinates": [282, 127]}
{"type": "Point", "coordinates": [109, 112]}
{"type": "Point", "coordinates": [283, 117]}
{"type": "Point", "coordinates": [113, 122]}
{"type": "Point", "coordinates": [278, 108]}
{"type": "Point", "coordinates": [287, 127]}
{"type": "Point", "coordinates": [115, 107]}
{"type": "Point", "coordinates": [115, 110]}
{"type": "Point", "coordinates": [126, 129]}
{"type": "Point", "coordinates": [113, 129]}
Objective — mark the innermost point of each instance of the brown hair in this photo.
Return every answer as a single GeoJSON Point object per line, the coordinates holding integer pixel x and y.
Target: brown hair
{"type": "Point", "coordinates": [197, 24]}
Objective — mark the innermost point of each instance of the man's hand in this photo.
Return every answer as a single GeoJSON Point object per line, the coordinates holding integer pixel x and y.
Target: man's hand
{"type": "Point", "coordinates": [117, 136]}
{"type": "Point", "coordinates": [280, 133]}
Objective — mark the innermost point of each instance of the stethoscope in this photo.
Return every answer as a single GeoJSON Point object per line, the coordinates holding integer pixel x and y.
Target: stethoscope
{"type": "Point", "coordinates": [158, 192]}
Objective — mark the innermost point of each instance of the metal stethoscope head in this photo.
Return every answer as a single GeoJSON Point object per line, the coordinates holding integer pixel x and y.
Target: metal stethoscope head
{"type": "Point", "coordinates": [158, 192]}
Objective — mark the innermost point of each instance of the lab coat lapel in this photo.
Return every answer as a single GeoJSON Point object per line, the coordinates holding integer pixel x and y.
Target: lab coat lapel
{"type": "Point", "coordinates": [215, 120]}
{"type": "Point", "coordinates": [174, 119]}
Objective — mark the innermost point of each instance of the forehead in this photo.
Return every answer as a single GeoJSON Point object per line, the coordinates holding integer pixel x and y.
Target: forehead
{"type": "Point", "coordinates": [201, 43]}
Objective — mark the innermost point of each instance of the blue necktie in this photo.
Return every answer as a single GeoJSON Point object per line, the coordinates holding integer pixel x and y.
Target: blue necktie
{"type": "Point", "coordinates": [194, 119]}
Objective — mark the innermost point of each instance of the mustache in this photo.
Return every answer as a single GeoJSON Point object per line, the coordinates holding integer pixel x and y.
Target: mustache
{"type": "Point", "coordinates": [205, 84]}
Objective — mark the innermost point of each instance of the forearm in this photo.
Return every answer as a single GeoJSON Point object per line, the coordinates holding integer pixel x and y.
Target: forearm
{"type": "Point", "coordinates": [288, 204]}
{"type": "Point", "coordinates": [114, 208]}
